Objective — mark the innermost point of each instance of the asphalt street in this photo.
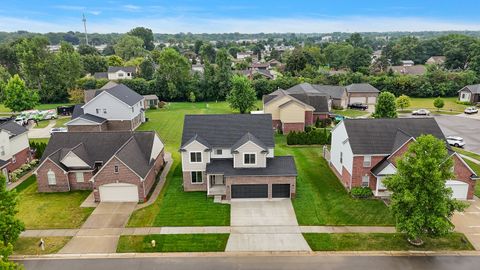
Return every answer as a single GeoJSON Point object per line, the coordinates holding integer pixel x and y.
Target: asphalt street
{"type": "Point", "coordinates": [261, 262]}
{"type": "Point", "coordinates": [467, 128]}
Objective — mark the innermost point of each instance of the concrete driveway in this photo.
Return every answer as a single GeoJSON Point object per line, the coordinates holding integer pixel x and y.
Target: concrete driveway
{"type": "Point", "coordinates": [468, 223]}
{"type": "Point", "coordinates": [261, 225]}
{"type": "Point", "coordinates": [101, 231]}
{"type": "Point", "coordinates": [466, 127]}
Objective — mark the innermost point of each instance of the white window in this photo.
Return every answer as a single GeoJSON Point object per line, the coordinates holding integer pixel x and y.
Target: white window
{"type": "Point", "coordinates": [341, 157]}
{"type": "Point", "coordinates": [51, 178]}
{"type": "Point", "coordinates": [249, 158]}
{"type": "Point", "coordinates": [115, 169]}
{"type": "Point", "coordinates": [463, 95]}
{"type": "Point", "coordinates": [14, 159]}
{"type": "Point", "coordinates": [367, 161]}
{"type": "Point", "coordinates": [365, 180]}
{"type": "Point", "coordinates": [197, 177]}
{"type": "Point", "coordinates": [195, 157]}
{"type": "Point", "coordinates": [218, 152]}
{"type": "Point", "coordinates": [2, 150]}
{"type": "Point", "coordinates": [79, 177]}
{"type": "Point", "coordinates": [120, 74]}
{"type": "Point", "coordinates": [104, 111]}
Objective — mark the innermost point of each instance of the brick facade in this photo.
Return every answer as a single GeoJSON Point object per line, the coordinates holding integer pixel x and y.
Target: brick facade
{"type": "Point", "coordinates": [61, 177]}
{"type": "Point", "coordinates": [189, 186]}
{"type": "Point", "coordinates": [320, 116]}
{"type": "Point", "coordinates": [309, 118]}
{"type": "Point", "coordinates": [75, 185]}
{"type": "Point", "coordinates": [21, 158]}
{"type": "Point", "coordinates": [288, 127]}
{"type": "Point", "coordinates": [229, 181]}
{"type": "Point", "coordinates": [462, 173]}
{"type": "Point", "coordinates": [359, 171]}
{"type": "Point", "coordinates": [114, 125]}
{"type": "Point", "coordinates": [152, 174]}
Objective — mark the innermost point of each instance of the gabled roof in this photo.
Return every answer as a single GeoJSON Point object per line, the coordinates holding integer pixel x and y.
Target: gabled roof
{"type": "Point", "coordinates": [150, 97]}
{"type": "Point", "coordinates": [318, 101]}
{"type": "Point", "coordinates": [361, 88]}
{"type": "Point", "coordinates": [196, 138]}
{"type": "Point", "coordinates": [400, 139]}
{"type": "Point", "coordinates": [277, 166]}
{"type": "Point", "coordinates": [273, 95]}
{"type": "Point", "coordinates": [78, 113]}
{"type": "Point", "coordinates": [224, 130]}
{"type": "Point", "coordinates": [380, 136]}
{"type": "Point", "coordinates": [100, 75]}
{"type": "Point", "coordinates": [132, 148]}
{"type": "Point", "coordinates": [109, 85]}
{"type": "Point", "coordinates": [380, 166]}
{"type": "Point", "coordinates": [126, 69]}
{"type": "Point", "coordinates": [474, 88]}
{"type": "Point", "coordinates": [333, 91]}
{"type": "Point", "coordinates": [249, 137]}
{"type": "Point", "coordinates": [13, 128]}
{"type": "Point", "coordinates": [123, 93]}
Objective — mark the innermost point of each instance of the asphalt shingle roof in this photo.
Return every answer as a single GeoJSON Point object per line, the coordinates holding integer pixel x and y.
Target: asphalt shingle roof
{"type": "Point", "coordinates": [224, 130]}
{"type": "Point", "coordinates": [246, 138]}
{"type": "Point", "coordinates": [126, 69]}
{"type": "Point", "coordinates": [475, 88]}
{"type": "Point", "coordinates": [13, 128]}
{"type": "Point", "coordinates": [123, 93]}
{"type": "Point", "coordinates": [317, 101]}
{"type": "Point", "coordinates": [277, 166]}
{"type": "Point", "coordinates": [378, 136]}
{"type": "Point", "coordinates": [361, 88]}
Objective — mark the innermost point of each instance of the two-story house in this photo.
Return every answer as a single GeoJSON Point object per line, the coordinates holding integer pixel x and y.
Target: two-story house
{"type": "Point", "coordinates": [118, 166]}
{"type": "Point", "coordinates": [117, 73]}
{"type": "Point", "coordinates": [14, 147]}
{"type": "Point", "coordinates": [115, 108]}
{"type": "Point", "coordinates": [231, 156]}
{"type": "Point", "coordinates": [365, 151]}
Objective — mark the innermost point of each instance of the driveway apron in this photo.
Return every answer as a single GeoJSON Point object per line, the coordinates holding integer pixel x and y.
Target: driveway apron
{"type": "Point", "coordinates": [101, 231]}
{"type": "Point", "coordinates": [468, 223]}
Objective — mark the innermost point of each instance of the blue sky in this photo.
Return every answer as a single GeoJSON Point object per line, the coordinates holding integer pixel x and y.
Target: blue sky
{"type": "Point", "coordinates": [213, 16]}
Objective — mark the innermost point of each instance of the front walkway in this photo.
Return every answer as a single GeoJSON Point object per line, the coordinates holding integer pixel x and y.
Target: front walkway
{"type": "Point", "coordinates": [265, 226]}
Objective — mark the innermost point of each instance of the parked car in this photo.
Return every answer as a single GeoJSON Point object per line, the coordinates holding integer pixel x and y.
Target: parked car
{"type": "Point", "coordinates": [55, 130]}
{"type": "Point", "coordinates": [21, 121]}
{"type": "Point", "coordinates": [455, 141]}
{"type": "Point", "coordinates": [65, 110]}
{"type": "Point", "coordinates": [358, 106]}
{"type": "Point", "coordinates": [421, 112]}
{"type": "Point", "coordinates": [470, 110]}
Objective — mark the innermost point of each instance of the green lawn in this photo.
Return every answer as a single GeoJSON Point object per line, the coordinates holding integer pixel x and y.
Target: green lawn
{"type": "Point", "coordinates": [350, 113]}
{"type": "Point", "coordinates": [174, 243]}
{"type": "Point", "coordinates": [42, 124]}
{"type": "Point", "coordinates": [44, 140]}
{"type": "Point", "coordinates": [382, 241]}
{"type": "Point", "coordinates": [174, 207]}
{"type": "Point", "coordinates": [50, 210]}
{"type": "Point", "coordinates": [60, 122]}
{"type": "Point", "coordinates": [427, 103]}
{"type": "Point", "coordinates": [321, 198]}
{"type": "Point", "coordinates": [467, 153]}
{"type": "Point", "coordinates": [29, 245]}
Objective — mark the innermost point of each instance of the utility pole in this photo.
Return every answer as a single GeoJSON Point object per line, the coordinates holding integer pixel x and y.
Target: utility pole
{"type": "Point", "coordinates": [85, 27]}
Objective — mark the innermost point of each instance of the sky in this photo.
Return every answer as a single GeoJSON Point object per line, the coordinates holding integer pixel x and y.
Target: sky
{"type": "Point", "coordinates": [245, 16]}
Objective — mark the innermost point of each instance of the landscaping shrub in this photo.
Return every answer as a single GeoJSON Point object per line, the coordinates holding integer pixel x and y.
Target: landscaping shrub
{"type": "Point", "coordinates": [361, 192]}
{"type": "Point", "coordinates": [24, 169]}
{"type": "Point", "coordinates": [311, 136]}
{"type": "Point", "coordinates": [38, 148]}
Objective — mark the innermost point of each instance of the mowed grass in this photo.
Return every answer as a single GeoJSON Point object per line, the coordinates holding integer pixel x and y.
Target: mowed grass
{"type": "Point", "coordinates": [60, 122]}
{"type": "Point", "coordinates": [174, 207]}
{"type": "Point", "coordinates": [383, 242]}
{"type": "Point", "coordinates": [321, 199]}
{"type": "Point", "coordinates": [350, 113]}
{"type": "Point", "coordinates": [30, 245]}
{"type": "Point", "coordinates": [174, 243]}
{"type": "Point", "coordinates": [427, 103]}
{"type": "Point", "coordinates": [467, 153]}
{"type": "Point", "coordinates": [42, 124]}
{"type": "Point", "coordinates": [50, 210]}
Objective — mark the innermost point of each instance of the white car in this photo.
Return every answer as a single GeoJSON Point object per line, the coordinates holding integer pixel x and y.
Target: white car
{"type": "Point", "coordinates": [455, 141]}
{"type": "Point", "coordinates": [471, 110]}
{"type": "Point", "coordinates": [421, 112]}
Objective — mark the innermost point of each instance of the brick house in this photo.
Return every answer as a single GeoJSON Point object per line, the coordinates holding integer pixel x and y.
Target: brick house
{"type": "Point", "coordinates": [231, 156]}
{"type": "Point", "coordinates": [113, 107]}
{"type": "Point", "coordinates": [117, 166]}
{"type": "Point", "coordinates": [14, 147]}
{"type": "Point", "coordinates": [364, 152]}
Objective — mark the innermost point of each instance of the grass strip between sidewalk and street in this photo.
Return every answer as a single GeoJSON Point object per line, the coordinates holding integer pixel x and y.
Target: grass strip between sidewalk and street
{"type": "Point", "coordinates": [30, 245]}
{"type": "Point", "coordinates": [173, 243]}
{"type": "Point", "coordinates": [383, 242]}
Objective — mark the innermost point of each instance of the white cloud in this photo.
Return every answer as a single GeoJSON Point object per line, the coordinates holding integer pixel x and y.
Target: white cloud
{"type": "Point", "coordinates": [69, 7]}
{"type": "Point", "coordinates": [222, 25]}
{"type": "Point", "coordinates": [131, 7]}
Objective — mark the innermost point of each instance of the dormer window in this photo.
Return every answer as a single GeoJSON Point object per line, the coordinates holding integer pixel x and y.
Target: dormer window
{"type": "Point", "coordinates": [249, 159]}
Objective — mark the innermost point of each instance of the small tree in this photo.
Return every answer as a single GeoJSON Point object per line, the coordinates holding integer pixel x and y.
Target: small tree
{"type": "Point", "coordinates": [438, 103]}
{"type": "Point", "coordinates": [242, 97]}
{"type": "Point", "coordinates": [385, 107]}
{"type": "Point", "coordinates": [17, 97]}
{"type": "Point", "coordinates": [403, 102]}
{"type": "Point", "coordinates": [76, 95]}
{"type": "Point", "coordinates": [421, 203]}
{"type": "Point", "coordinates": [191, 97]}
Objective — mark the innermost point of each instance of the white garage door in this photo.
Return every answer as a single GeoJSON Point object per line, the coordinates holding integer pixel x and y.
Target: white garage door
{"type": "Point", "coordinates": [372, 100]}
{"type": "Point", "coordinates": [362, 100]}
{"type": "Point", "coordinates": [118, 192]}
{"type": "Point", "coordinates": [460, 189]}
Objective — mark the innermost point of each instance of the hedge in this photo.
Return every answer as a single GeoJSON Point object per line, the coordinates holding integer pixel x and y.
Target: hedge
{"type": "Point", "coordinates": [311, 136]}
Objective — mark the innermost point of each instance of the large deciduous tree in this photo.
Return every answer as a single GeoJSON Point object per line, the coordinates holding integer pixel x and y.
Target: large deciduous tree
{"type": "Point", "coordinates": [129, 46]}
{"type": "Point", "coordinates": [115, 61]}
{"type": "Point", "coordinates": [17, 97]}
{"type": "Point", "coordinates": [146, 35]}
{"type": "Point", "coordinates": [242, 97]}
{"type": "Point", "coordinates": [94, 63]}
{"type": "Point", "coordinates": [359, 58]}
{"type": "Point", "coordinates": [33, 56]}
{"type": "Point", "coordinates": [223, 74]}
{"type": "Point", "coordinates": [421, 203]}
{"type": "Point", "coordinates": [173, 74]}
{"type": "Point", "coordinates": [386, 107]}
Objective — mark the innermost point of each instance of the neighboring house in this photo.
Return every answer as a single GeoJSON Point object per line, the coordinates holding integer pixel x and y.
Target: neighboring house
{"type": "Point", "coordinates": [117, 166]}
{"type": "Point", "coordinates": [251, 73]}
{"type": "Point", "coordinates": [407, 63]}
{"type": "Point", "coordinates": [295, 111]}
{"type": "Point", "coordinates": [244, 55]}
{"type": "Point", "coordinates": [436, 60]}
{"type": "Point", "coordinates": [260, 66]}
{"type": "Point", "coordinates": [232, 156]}
{"type": "Point", "coordinates": [365, 151]}
{"type": "Point", "coordinates": [115, 108]}
{"type": "Point", "coordinates": [470, 93]}
{"type": "Point", "coordinates": [198, 68]}
{"type": "Point", "coordinates": [409, 70]}
{"type": "Point", "coordinates": [117, 73]}
{"type": "Point", "coordinates": [364, 93]}
{"type": "Point", "coordinates": [151, 101]}
{"type": "Point", "coordinates": [14, 147]}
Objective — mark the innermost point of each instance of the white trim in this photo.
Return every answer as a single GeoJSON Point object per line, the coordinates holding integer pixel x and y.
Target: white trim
{"type": "Point", "coordinates": [80, 117]}
{"type": "Point", "coordinates": [48, 158]}
{"type": "Point", "coordinates": [201, 176]}
{"type": "Point", "coordinates": [248, 142]}
{"type": "Point", "coordinates": [190, 157]}
{"type": "Point", "coordinates": [193, 142]}
{"type": "Point", "coordinates": [398, 149]}
{"type": "Point", "coordinates": [249, 153]}
{"type": "Point", "coordinates": [464, 163]}
{"type": "Point", "coordinates": [105, 92]}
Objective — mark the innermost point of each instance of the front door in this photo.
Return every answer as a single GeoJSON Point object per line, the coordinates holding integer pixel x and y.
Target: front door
{"type": "Point", "coordinates": [216, 180]}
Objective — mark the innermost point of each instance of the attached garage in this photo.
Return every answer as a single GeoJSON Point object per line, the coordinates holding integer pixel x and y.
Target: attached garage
{"type": "Point", "coordinates": [372, 100]}
{"type": "Point", "coordinates": [281, 191]}
{"type": "Point", "coordinates": [118, 192]}
{"type": "Point", "coordinates": [460, 189]}
{"type": "Point", "coordinates": [249, 191]}
{"type": "Point", "coordinates": [362, 100]}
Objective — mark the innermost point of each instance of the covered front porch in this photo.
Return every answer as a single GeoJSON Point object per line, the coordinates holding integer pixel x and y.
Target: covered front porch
{"type": "Point", "coordinates": [216, 185]}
